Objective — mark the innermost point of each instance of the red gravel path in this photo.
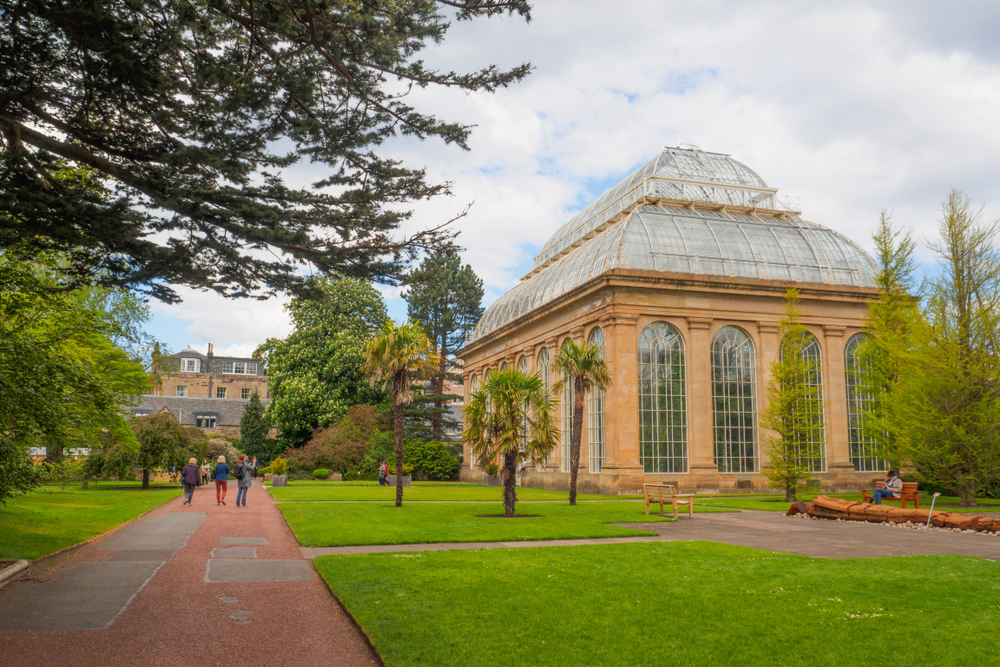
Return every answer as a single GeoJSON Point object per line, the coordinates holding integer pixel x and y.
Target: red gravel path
{"type": "Point", "coordinates": [178, 619]}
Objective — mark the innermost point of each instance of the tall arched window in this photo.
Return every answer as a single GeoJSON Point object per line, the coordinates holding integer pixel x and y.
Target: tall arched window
{"type": "Point", "coordinates": [566, 408]}
{"type": "Point", "coordinates": [522, 367]}
{"type": "Point", "coordinates": [543, 371]}
{"type": "Point", "coordinates": [662, 400]}
{"type": "Point", "coordinates": [473, 388]}
{"type": "Point", "coordinates": [811, 353]}
{"type": "Point", "coordinates": [859, 402]}
{"type": "Point", "coordinates": [734, 400]}
{"type": "Point", "coordinates": [595, 412]}
{"type": "Point", "coordinates": [503, 366]}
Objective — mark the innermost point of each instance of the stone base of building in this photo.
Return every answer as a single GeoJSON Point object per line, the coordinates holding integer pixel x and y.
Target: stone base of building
{"type": "Point", "coordinates": [629, 481]}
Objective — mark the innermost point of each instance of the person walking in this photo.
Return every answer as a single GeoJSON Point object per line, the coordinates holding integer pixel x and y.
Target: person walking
{"type": "Point", "coordinates": [205, 470]}
{"type": "Point", "coordinates": [221, 477]}
{"type": "Point", "coordinates": [190, 478]}
{"type": "Point", "coordinates": [383, 470]}
{"type": "Point", "coordinates": [244, 473]}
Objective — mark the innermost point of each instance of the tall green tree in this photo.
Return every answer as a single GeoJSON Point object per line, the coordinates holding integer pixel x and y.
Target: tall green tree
{"type": "Point", "coordinates": [254, 426]}
{"type": "Point", "coordinates": [395, 357]}
{"type": "Point", "coordinates": [947, 400]}
{"type": "Point", "coordinates": [794, 413]}
{"type": "Point", "coordinates": [315, 374]}
{"type": "Point", "coordinates": [189, 111]}
{"type": "Point", "coordinates": [63, 381]}
{"type": "Point", "coordinates": [511, 419]}
{"type": "Point", "coordinates": [446, 299]}
{"type": "Point", "coordinates": [584, 367]}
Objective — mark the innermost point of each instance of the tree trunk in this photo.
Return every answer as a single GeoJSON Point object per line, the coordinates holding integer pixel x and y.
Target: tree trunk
{"type": "Point", "coordinates": [509, 484]}
{"type": "Point", "coordinates": [145, 478]}
{"type": "Point", "coordinates": [576, 438]}
{"type": "Point", "coordinates": [967, 498]}
{"type": "Point", "coordinates": [398, 387]}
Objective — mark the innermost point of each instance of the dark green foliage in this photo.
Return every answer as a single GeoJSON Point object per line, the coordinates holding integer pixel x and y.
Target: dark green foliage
{"type": "Point", "coordinates": [254, 425]}
{"type": "Point", "coordinates": [321, 473]}
{"type": "Point", "coordinates": [185, 113]}
{"type": "Point", "coordinates": [163, 443]}
{"type": "Point", "coordinates": [445, 299]}
{"type": "Point", "coordinates": [17, 473]}
{"type": "Point", "coordinates": [315, 374]}
{"type": "Point", "coordinates": [341, 447]}
{"type": "Point", "coordinates": [431, 460]}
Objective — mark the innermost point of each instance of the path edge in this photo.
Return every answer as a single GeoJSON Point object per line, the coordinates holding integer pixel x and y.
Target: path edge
{"type": "Point", "coordinates": [350, 616]}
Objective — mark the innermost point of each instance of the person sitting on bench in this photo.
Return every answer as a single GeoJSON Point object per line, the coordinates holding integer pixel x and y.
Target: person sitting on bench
{"type": "Point", "coordinates": [893, 488]}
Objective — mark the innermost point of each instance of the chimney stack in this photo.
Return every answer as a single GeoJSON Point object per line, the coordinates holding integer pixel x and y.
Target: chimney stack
{"type": "Point", "coordinates": [210, 352]}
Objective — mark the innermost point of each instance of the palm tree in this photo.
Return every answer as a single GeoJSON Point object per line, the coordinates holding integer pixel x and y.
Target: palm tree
{"type": "Point", "coordinates": [395, 356]}
{"type": "Point", "coordinates": [583, 366]}
{"type": "Point", "coordinates": [510, 418]}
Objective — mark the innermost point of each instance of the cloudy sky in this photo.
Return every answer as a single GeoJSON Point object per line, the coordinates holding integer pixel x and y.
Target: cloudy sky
{"type": "Point", "coordinates": [850, 106]}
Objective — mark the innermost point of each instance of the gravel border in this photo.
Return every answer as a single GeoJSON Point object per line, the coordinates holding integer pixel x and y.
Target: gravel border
{"type": "Point", "coordinates": [908, 524]}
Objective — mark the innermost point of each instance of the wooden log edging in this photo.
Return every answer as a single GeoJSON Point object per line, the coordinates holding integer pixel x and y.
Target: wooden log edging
{"type": "Point", "coordinates": [847, 510]}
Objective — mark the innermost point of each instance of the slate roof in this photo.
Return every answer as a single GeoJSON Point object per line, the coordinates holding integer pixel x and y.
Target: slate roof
{"type": "Point", "coordinates": [228, 411]}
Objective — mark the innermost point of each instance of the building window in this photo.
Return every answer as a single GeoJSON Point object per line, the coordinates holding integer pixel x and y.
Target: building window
{"type": "Point", "coordinates": [220, 392]}
{"type": "Point", "coordinates": [814, 449]}
{"type": "Point", "coordinates": [543, 372]}
{"type": "Point", "coordinates": [182, 390]}
{"type": "Point", "coordinates": [190, 365]}
{"type": "Point", "coordinates": [205, 421]}
{"type": "Point", "coordinates": [141, 413]}
{"type": "Point", "coordinates": [662, 400]}
{"type": "Point", "coordinates": [595, 412]}
{"type": "Point", "coordinates": [859, 403]}
{"type": "Point", "coordinates": [566, 409]}
{"type": "Point", "coordinates": [239, 368]}
{"type": "Point", "coordinates": [522, 367]}
{"type": "Point", "coordinates": [473, 388]}
{"type": "Point", "coordinates": [245, 393]}
{"type": "Point", "coordinates": [734, 401]}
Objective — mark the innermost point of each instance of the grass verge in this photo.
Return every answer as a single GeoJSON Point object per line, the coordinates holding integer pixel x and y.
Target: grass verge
{"type": "Point", "coordinates": [47, 520]}
{"type": "Point", "coordinates": [440, 491]}
{"type": "Point", "coordinates": [352, 524]}
{"type": "Point", "coordinates": [678, 603]}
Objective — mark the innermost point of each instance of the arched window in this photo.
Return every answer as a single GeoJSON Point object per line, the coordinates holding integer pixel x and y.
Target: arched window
{"type": "Point", "coordinates": [595, 412]}
{"type": "Point", "coordinates": [662, 400]}
{"type": "Point", "coordinates": [566, 408]}
{"type": "Point", "coordinates": [734, 400]}
{"type": "Point", "coordinates": [473, 388]}
{"type": "Point", "coordinates": [859, 402]}
{"type": "Point", "coordinates": [814, 455]}
{"type": "Point", "coordinates": [503, 366]}
{"type": "Point", "coordinates": [522, 367]}
{"type": "Point", "coordinates": [543, 367]}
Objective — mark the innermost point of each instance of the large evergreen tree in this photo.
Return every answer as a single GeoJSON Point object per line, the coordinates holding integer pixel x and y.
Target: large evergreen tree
{"type": "Point", "coordinates": [185, 113]}
{"type": "Point", "coordinates": [315, 374]}
{"type": "Point", "coordinates": [445, 298]}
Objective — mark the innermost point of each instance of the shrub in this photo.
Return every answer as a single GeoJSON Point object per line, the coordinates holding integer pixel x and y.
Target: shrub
{"type": "Point", "coordinates": [340, 447]}
{"type": "Point", "coordinates": [279, 466]}
{"type": "Point", "coordinates": [217, 447]}
{"type": "Point", "coordinates": [321, 473]}
{"type": "Point", "coordinates": [264, 471]}
{"type": "Point", "coordinates": [407, 469]}
{"type": "Point", "coordinates": [492, 469]}
{"type": "Point", "coordinates": [431, 460]}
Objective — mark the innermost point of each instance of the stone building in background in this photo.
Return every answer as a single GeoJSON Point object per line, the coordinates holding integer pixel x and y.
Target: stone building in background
{"type": "Point", "coordinates": [680, 273]}
{"type": "Point", "coordinates": [206, 391]}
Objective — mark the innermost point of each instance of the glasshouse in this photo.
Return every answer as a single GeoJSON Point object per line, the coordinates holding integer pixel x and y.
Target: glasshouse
{"type": "Point", "coordinates": [680, 273]}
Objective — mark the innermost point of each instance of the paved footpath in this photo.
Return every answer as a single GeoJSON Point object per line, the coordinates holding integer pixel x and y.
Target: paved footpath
{"type": "Point", "coordinates": [762, 530]}
{"type": "Point", "coordinates": [199, 585]}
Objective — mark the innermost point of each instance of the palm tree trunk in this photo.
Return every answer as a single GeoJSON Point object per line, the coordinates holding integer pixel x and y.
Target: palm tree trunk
{"type": "Point", "coordinates": [398, 386]}
{"type": "Point", "coordinates": [575, 439]}
{"type": "Point", "coordinates": [509, 484]}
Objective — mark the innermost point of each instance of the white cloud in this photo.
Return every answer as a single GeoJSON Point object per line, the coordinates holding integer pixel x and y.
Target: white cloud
{"type": "Point", "coordinates": [852, 106]}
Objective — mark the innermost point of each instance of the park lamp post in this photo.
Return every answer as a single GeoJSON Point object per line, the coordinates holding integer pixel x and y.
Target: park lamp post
{"type": "Point", "coordinates": [931, 510]}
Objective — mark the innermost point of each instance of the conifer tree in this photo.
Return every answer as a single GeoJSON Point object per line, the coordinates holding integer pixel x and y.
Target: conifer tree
{"type": "Point", "coordinates": [794, 412]}
{"type": "Point", "coordinates": [445, 299]}
{"type": "Point", "coordinates": [186, 113]}
{"type": "Point", "coordinates": [254, 426]}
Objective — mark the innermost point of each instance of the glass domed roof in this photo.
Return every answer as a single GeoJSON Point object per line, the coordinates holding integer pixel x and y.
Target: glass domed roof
{"type": "Point", "coordinates": [656, 233]}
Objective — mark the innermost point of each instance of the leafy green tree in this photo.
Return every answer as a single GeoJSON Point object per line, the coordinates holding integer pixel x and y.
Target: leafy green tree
{"type": "Point", "coordinates": [62, 379]}
{"type": "Point", "coordinates": [316, 373]}
{"type": "Point", "coordinates": [947, 400]}
{"type": "Point", "coordinates": [446, 299]}
{"type": "Point", "coordinates": [164, 442]}
{"type": "Point", "coordinates": [431, 460]}
{"type": "Point", "coordinates": [395, 356]}
{"type": "Point", "coordinates": [188, 111]}
{"type": "Point", "coordinates": [254, 426]}
{"type": "Point", "coordinates": [583, 366]}
{"type": "Point", "coordinates": [511, 408]}
{"type": "Point", "coordinates": [794, 413]}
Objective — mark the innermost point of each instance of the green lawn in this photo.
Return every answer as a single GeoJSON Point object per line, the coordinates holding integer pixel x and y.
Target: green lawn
{"type": "Point", "coordinates": [679, 604]}
{"type": "Point", "coordinates": [46, 520]}
{"type": "Point", "coordinates": [446, 491]}
{"type": "Point", "coordinates": [349, 524]}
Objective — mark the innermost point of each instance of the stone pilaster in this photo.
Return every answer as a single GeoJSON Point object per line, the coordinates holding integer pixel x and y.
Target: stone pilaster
{"type": "Point", "coordinates": [622, 469]}
{"type": "Point", "coordinates": [838, 448]}
{"type": "Point", "coordinates": [701, 448]}
{"type": "Point", "coordinates": [767, 353]}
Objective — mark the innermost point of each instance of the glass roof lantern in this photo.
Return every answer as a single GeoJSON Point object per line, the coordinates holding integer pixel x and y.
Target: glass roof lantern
{"type": "Point", "coordinates": [685, 211]}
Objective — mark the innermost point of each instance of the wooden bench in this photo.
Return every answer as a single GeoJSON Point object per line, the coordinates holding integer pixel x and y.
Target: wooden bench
{"type": "Point", "coordinates": [667, 494]}
{"type": "Point", "coordinates": [909, 493]}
